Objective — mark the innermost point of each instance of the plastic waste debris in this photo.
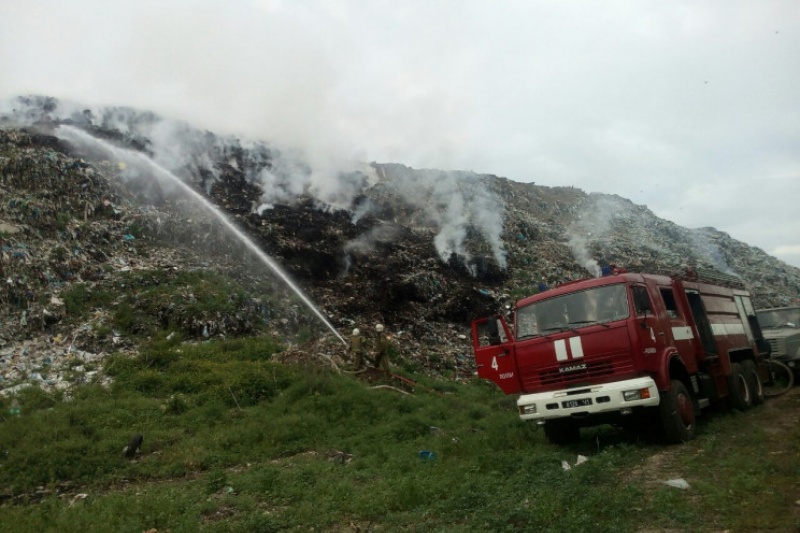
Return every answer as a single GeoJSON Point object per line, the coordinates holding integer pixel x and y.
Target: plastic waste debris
{"type": "Point", "coordinates": [579, 461]}
{"type": "Point", "coordinates": [427, 455]}
{"type": "Point", "coordinates": [133, 446]}
{"type": "Point", "coordinates": [78, 497]}
{"type": "Point", "coordinates": [15, 409]}
{"type": "Point", "coordinates": [678, 483]}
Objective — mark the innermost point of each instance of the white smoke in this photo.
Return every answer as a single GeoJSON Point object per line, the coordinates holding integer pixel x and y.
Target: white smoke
{"type": "Point", "coordinates": [455, 203]}
{"type": "Point", "coordinates": [580, 251]}
{"type": "Point", "coordinates": [593, 224]}
{"type": "Point", "coordinates": [366, 243]}
{"type": "Point", "coordinates": [710, 251]}
{"type": "Point", "coordinates": [281, 183]}
{"type": "Point", "coordinates": [362, 209]}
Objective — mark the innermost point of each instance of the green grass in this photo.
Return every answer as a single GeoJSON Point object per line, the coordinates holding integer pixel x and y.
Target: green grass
{"type": "Point", "coordinates": [145, 302]}
{"type": "Point", "coordinates": [235, 442]}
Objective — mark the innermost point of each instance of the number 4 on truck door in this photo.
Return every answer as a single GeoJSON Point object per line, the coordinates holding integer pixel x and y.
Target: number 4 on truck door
{"type": "Point", "coordinates": [493, 353]}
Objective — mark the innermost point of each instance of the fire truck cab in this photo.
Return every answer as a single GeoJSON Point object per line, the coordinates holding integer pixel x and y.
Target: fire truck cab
{"type": "Point", "coordinates": [620, 348]}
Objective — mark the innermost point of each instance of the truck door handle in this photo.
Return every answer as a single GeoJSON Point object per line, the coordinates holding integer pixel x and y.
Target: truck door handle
{"type": "Point", "coordinates": [502, 354]}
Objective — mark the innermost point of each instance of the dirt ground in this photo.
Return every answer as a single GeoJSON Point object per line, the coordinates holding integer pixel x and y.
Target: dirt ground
{"type": "Point", "coordinates": [778, 417]}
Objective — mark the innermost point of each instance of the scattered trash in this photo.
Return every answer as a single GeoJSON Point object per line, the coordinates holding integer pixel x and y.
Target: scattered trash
{"type": "Point", "coordinates": [81, 496]}
{"type": "Point", "coordinates": [338, 456]}
{"type": "Point", "coordinates": [579, 461]}
{"type": "Point", "coordinates": [15, 409]}
{"type": "Point", "coordinates": [82, 207]}
{"type": "Point", "coordinates": [427, 455]}
{"type": "Point", "coordinates": [133, 446]}
{"type": "Point", "coordinates": [678, 483]}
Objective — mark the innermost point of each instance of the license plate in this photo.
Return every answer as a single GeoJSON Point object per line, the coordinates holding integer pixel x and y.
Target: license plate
{"type": "Point", "coordinates": [583, 402]}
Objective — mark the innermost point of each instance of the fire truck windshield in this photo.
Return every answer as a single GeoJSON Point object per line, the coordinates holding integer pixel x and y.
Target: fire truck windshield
{"type": "Point", "coordinates": [572, 311]}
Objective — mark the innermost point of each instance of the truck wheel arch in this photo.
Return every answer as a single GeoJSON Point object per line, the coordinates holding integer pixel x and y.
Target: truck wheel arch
{"type": "Point", "coordinates": [672, 368]}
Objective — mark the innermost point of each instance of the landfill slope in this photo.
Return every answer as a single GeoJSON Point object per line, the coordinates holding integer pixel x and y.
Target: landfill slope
{"type": "Point", "coordinates": [399, 246]}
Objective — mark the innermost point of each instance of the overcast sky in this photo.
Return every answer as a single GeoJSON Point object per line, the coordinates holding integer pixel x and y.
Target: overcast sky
{"type": "Point", "coordinates": [690, 108]}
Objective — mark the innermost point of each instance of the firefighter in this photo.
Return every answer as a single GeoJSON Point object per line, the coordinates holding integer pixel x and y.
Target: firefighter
{"type": "Point", "coordinates": [357, 348]}
{"type": "Point", "coordinates": [381, 349]}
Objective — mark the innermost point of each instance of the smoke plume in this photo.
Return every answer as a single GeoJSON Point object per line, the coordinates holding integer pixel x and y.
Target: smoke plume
{"type": "Point", "coordinates": [457, 204]}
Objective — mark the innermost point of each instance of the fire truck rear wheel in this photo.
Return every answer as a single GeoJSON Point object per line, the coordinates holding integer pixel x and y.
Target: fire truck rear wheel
{"type": "Point", "coordinates": [677, 413]}
{"type": "Point", "coordinates": [562, 431]}
{"type": "Point", "coordinates": [756, 387]}
{"type": "Point", "coordinates": [739, 390]}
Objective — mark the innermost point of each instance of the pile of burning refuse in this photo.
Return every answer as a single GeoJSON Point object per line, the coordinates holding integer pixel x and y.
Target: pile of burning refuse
{"type": "Point", "coordinates": [86, 237]}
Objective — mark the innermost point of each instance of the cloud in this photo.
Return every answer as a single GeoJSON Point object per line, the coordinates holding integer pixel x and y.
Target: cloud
{"type": "Point", "coordinates": [674, 105]}
{"type": "Point", "coordinates": [787, 253]}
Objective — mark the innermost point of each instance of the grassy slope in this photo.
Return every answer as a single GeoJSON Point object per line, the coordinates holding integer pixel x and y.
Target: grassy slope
{"type": "Point", "coordinates": [233, 442]}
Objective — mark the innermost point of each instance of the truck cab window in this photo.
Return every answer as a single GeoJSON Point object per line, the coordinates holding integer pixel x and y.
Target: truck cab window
{"type": "Point", "coordinates": [669, 303]}
{"type": "Point", "coordinates": [491, 332]}
{"type": "Point", "coordinates": [641, 301]}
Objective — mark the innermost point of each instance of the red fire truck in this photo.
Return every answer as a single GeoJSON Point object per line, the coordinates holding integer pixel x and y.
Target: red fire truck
{"type": "Point", "coordinates": [625, 349]}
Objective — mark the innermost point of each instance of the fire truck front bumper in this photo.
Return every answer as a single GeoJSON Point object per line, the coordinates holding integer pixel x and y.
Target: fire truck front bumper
{"type": "Point", "coordinates": [620, 396]}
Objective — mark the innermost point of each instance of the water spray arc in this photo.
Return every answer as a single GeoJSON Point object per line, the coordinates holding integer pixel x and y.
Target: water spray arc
{"type": "Point", "coordinates": [139, 160]}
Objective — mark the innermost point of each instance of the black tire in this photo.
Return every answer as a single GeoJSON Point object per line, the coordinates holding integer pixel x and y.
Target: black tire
{"type": "Point", "coordinates": [677, 413]}
{"type": "Point", "coordinates": [780, 379]}
{"type": "Point", "coordinates": [562, 431]}
{"type": "Point", "coordinates": [739, 392]}
{"type": "Point", "coordinates": [756, 387]}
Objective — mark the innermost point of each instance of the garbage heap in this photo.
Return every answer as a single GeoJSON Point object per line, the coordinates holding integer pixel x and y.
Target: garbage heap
{"type": "Point", "coordinates": [71, 220]}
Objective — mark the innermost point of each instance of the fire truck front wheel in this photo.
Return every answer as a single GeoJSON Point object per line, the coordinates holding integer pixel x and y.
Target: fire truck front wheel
{"type": "Point", "coordinates": [677, 413]}
{"type": "Point", "coordinates": [562, 431]}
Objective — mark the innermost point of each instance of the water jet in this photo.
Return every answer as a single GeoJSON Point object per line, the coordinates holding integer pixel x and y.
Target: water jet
{"type": "Point", "coordinates": [143, 162]}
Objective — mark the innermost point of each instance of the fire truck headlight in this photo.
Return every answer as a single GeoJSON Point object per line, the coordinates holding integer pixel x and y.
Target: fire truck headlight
{"type": "Point", "coordinates": [527, 409]}
{"type": "Point", "coordinates": [638, 394]}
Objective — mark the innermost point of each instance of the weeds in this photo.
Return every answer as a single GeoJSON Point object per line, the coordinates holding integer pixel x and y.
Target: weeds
{"type": "Point", "coordinates": [234, 442]}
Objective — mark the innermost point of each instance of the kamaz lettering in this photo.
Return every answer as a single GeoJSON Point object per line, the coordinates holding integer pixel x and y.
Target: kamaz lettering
{"type": "Point", "coordinates": [572, 368]}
